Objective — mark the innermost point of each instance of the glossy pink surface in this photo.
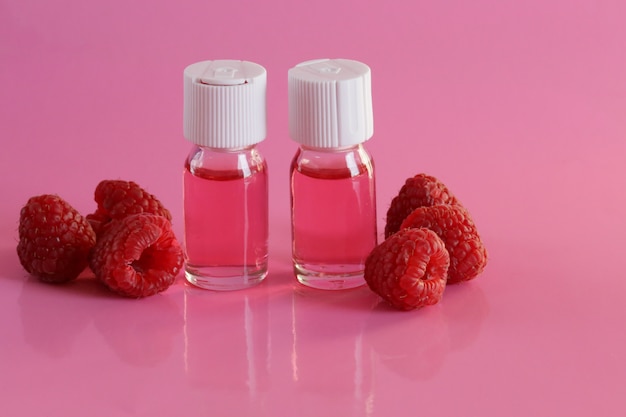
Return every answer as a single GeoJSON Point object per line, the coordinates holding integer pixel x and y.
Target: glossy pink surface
{"type": "Point", "coordinates": [519, 107]}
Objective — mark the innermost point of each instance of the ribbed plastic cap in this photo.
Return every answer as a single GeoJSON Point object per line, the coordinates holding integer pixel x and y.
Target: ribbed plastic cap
{"type": "Point", "coordinates": [225, 103]}
{"type": "Point", "coordinates": [330, 103]}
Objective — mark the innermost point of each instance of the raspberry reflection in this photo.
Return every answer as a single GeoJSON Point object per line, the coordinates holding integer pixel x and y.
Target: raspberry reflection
{"type": "Point", "coordinates": [140, 332]}
{"type": "Point", "coordinates": [53, 316]}
{"type": "Point", "coordinates": [412, 344]}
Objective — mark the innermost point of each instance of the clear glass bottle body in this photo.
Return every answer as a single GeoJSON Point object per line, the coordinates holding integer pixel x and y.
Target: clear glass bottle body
{"type": "Point", "coordinates": [333, 215]}
{"type": "Point", "coordinates": [225, 195]}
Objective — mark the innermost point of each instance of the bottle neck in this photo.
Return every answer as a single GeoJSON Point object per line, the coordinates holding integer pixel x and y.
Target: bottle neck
{"type": "Point", "coordinates": [240, 149]}
{"type": "Point", "coordinates": [242, 161]}
{"type": "Point", "coordinates": [350, 148]}
{"type": "Point", "coordinates": [333, 163]}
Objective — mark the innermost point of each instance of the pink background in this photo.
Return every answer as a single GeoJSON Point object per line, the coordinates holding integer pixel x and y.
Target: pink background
{"type": "Point", "coordinates": [519, 107]}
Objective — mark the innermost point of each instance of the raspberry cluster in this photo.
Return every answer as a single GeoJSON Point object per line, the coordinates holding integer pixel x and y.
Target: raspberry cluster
{"type": "Point", "coordinates": [128, 242]}
{"type": "Point", "coordinates": [431, 241]}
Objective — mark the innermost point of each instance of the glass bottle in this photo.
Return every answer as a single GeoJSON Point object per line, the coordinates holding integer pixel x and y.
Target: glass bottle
{"type": "Point", "coordinates": [333, 198]}
{"type": "Point", "coordinates": [225, 183]}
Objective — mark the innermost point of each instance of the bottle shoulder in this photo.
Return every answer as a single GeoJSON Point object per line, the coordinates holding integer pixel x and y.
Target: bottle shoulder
{"type": "Point", "coordinates": [332, 163]}
{"type": "Point", "coordinates": [211, 163]}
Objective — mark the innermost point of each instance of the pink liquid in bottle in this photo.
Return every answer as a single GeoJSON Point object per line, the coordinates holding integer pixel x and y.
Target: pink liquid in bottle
{"type": "Point", "coordinates": [226, 214]}
{"type": "Point", "coordinates": [333, 217]}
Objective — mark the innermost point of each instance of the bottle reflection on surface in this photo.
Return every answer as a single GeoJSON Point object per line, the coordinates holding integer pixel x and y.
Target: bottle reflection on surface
{"type": "Point", "coordinates": [328, 360]}
{"type": "Point", "coordinates": [229, 351]}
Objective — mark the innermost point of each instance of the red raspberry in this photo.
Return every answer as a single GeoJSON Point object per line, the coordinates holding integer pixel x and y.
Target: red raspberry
{"type": "Point", "coordinates": [409, 269]}
{"type": "Point", "coordinates": [419, 191]}
{"type": "Point", "coordinates": [454, 225]}
{"type": "Point", "coordinates": [137, 256]}
{"type": "Point", "coordinates": [55, 239]}
{"type": "Point", "coordinates": [117, 199]}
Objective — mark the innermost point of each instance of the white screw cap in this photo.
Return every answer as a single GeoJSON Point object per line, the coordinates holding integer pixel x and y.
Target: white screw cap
{"type": "Point", "coordinates": [330, 103]}
{"type": "Point", "coordinates": [225, 103]}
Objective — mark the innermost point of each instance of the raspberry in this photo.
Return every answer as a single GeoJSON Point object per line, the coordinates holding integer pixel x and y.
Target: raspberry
{"type": "Point", "coordinates": [419, 191]}
{"type": "Point", "coordinates": [409, 269]}
{"type": "Point", "coordinates": [137, 256]}
{"type": "Point", "coordinates": [54, 239]}
{"type": "Point", "coordinates": [117, 199]}
{"type": "Point", "coordinates": [454, 225]}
